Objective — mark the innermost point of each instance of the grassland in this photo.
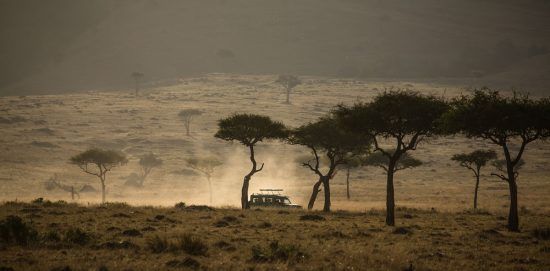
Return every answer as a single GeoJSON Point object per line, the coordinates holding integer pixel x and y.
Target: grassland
{"type": "Point", "coordinates": [434, 231]}
{"type": "Point", "coordinates": [120, 237]}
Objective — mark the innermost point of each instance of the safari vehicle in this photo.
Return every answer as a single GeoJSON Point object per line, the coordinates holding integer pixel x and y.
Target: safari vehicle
{"type": "Point", "coordinates": [271, 198]}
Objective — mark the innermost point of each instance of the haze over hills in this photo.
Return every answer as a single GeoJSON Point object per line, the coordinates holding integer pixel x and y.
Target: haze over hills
{"type": "Point", "coordinates": [64, 45]}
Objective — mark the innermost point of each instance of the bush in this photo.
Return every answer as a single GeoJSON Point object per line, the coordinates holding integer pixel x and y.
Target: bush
{"type": "Point", "coordinates": [77, 236]}
{"type": "Point", "coordinates": [14, 231]}
{"type": "Point", "coordinates": [192, 245]}
{"type": "Point", "coordinates": [180, 205]}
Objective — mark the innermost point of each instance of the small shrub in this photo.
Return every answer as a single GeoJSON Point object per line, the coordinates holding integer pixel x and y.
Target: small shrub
{"type": "Point", "coordinates": [51, 236]}
{"type": "Point", "coordinates": [157, 244]}
{"type": "Point", "coordinates": [131, 233]}
{"type": "Point", "coordinates": [221, 223]}
{"type": "Point", "coordinates": [77, 236]}
{"type": "Point", "coordinates": [37, 201]}
{"type": "Point", "coordinates": [230, 218]}
{"type": "Point", "coordinates": [180, 205]}
{"type": "Point", "coordinates": [14, 231]}
{"type": "Point", "coordinates": [402, 230]}
{"type": "Point", "coordinates": [192, 245]}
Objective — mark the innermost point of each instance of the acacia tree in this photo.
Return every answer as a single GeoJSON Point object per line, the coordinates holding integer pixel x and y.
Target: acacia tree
{"type": "Point", "coordinates": [186, 116]}
{"type": "Point", "coordinates": [404, 117]}
{"type": "Point", "coordinates": [137, 80]}
{"type": "Point", "coordinates": [206, 166]}
{"type": "Point", "coordinates": [474, 161]}
{"type": "Point", "coordinates": [249, 129]}
{"type": "Point", "coordinates": [98, 162]}
{"type": "Point", "coordinates": [352, 162]}
{"type": "Point", "coordinates": [288, 82]}
{"type": "Point", "coordinates": [505, 122]}
{"type": "Point", "coordinates": [147, 163]}
{"type": "Point", "coordinates": [326, 137]}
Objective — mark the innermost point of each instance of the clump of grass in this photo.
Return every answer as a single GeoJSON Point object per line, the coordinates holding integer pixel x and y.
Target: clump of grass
{"type": "Point", "coordinates": [158, 244]}
{"type": "Point", "coordinates": [14, 231]}
{"type": "Point", "coordinates": [188, 243]}
{"type": "Point", "coordinates": [188, 262]}
{"type": "Point", "coordinates": [278, 253]}
{"type": "Point", "coordinates": [191, 244]}
{"type": "Point", "coordinates": [312, 217]}
{"type": "Point", "coordinates": [542, 233]}
{"type": "Point", "coordinates": [77, 236]}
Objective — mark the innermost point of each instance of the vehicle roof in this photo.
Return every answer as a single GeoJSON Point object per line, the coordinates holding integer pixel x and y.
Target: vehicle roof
{"type": "Point", "coordinates": [270, 195]}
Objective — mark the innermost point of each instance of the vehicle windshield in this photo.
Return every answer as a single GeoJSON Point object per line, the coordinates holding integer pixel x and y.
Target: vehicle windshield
{"type": "Point", "coordinates": [287, 201]}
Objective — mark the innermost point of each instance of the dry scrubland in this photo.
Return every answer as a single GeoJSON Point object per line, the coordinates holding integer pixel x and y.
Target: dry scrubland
{"type": "Point", "coordinates": [119, 237]}
{"type": "Point", "coordinates": [433, 232]}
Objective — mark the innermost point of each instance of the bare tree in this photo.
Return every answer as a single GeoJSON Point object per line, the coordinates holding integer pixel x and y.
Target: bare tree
{"type": "Point", "coordinates": [206, 166]}
{"type": "Point", "coordinates": [288, 82]}
{"type": "Point", "coordinates": [186, 116]}
{"type": "Point", "coordinates": [98, 162]}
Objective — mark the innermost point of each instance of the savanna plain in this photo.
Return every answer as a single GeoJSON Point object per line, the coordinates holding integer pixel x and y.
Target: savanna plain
{"type": "Point", "coordinates": [171, 222]}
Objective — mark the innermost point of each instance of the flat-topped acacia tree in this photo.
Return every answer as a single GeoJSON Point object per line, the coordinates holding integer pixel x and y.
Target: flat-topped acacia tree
{"type": "Point", "coordinates": [352, 162]}
{"type": "Point", "coordinates": [98, 162]}
{"type": "Point", "coordinates": [474, 161]}
{"type": "Point", "coordinates": [505, 122]}
{"type": "Point", "coordinates": [186, 116]}
{"type": "Point", "coordinates": [289, 82]}
{"type": "Point", "coordinates": [249, 129]}
{"type": "Point", "coordinates": [147, 163]}
{"type": "Point", "coordinates": [326, 137]}
{"type": "Point", "coordinates": [404, 117]}
{"type": "Point", "coordinates": [206, 166]}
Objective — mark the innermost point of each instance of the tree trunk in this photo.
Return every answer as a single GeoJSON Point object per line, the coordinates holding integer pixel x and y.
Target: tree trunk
{"type": "Point", "coordinates": [244, 193]}
{"type": "Point", "coordinates": [390, 201]}
{"type": "Point", "coordinates": [475, 192]}
{"type": "Point", "coordinates": [102, 190]}
{"type": "Point", "coordinates": [187, 124]}
{"type": "Point", "coordinates": [513, 216]}
{"type": "Point", "coordinates": [347, 183]}
{"type": "Point", "coordinates": [314, 194]}
{"type": "Point", "coordinates": [72, 192]}
{"type": "Point", "coordinates": [287, 95]}
{"type": "Point", "coordinates": [210, 188]}
{"type": "Point", "coordinates": [326, 187]}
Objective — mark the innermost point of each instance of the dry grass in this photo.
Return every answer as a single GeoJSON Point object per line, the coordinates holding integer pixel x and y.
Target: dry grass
{"type": "Point", "coordinates": [42, 132]}
{"type": "Point", "coordinates": [171, 238]}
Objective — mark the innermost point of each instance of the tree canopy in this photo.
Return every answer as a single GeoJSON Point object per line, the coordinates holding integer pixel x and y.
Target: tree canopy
{"type": "Point", "coordinates": [475, 159]}
{"type": "Point", "coordinates": [249, 129]}
{"type": "Point", "coordinates": [378, 159]}
{"type": "Point", "coordinates": [105, 159]}
{"type": "Point", "coordinates": [504, 121]}
{"type": "Point", "coordinates": [288, 81]}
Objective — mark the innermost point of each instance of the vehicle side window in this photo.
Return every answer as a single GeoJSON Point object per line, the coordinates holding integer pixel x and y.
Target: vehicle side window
{"type": "Point", "coordinates": [255, 200]}
{"type": "Point", "coordinates": [269, 200]}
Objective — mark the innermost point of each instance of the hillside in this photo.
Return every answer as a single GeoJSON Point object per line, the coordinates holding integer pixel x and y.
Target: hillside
{"type": "Point", "coordinates": [105, 41]}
